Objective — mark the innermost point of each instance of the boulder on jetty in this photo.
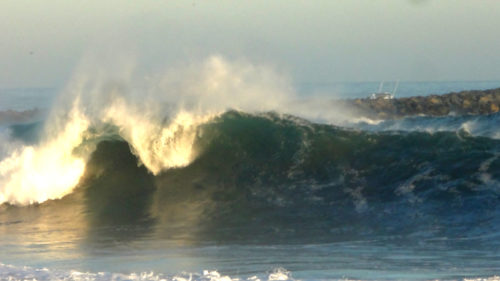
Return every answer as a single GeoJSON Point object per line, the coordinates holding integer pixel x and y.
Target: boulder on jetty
{"type": "Point", "coordinates": [460, 103]}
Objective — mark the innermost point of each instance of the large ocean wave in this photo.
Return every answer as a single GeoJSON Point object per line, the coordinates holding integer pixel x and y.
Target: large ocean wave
{"type": "Point", "coordinates": [215, 146]}
{"type": "Point", "coordinates": [277, 173]}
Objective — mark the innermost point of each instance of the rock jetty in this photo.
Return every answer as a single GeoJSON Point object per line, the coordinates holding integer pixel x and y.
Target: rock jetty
{"type": "Point", "coordinates": [460, 103]}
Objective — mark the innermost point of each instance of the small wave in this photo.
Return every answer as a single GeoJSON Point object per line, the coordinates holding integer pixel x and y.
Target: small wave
{"type": "Point", "coordinates": [13, 273]}
{"type": "Point", "coordinates": [475, 125]}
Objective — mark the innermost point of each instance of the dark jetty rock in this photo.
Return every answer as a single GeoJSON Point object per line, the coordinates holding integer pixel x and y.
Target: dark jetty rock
{"type": "Point", "coordinates": [461, 103]}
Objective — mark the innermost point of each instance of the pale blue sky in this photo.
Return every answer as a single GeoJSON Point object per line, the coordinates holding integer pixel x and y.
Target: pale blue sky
{"type": "Point", "coordinates": [312, 41]}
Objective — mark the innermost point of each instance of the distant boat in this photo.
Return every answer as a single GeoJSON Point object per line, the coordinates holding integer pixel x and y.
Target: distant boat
{"type": "Point", "coordinates": [384, 95]}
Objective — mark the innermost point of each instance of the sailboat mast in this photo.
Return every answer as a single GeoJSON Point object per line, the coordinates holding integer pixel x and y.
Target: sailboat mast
{"type": "Point", "coordinates": [380, 87]}
{"type": "Point", "coordinates": [395, 88]}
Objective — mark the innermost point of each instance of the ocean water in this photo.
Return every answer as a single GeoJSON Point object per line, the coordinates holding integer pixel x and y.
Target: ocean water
{"type": "Point", "coordinates": [231, 179]}
{"type": "Point", "coordinates": [20, 99]}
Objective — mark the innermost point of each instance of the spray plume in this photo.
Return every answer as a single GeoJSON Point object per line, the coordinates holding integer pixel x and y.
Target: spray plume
{"type": "Point", "coordinates": [158, 116]}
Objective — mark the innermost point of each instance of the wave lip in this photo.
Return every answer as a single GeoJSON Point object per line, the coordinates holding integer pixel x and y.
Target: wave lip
{"type": "Point", "coordinates": [156, 115]}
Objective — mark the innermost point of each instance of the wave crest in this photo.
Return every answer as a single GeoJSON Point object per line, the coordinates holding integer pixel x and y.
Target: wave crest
{"type": "Point", "coordinates": [158, 116]}
{"type": "Point", "coordinates": [48, 170]}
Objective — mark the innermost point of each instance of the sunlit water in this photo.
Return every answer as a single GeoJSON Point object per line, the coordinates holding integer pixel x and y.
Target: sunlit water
{"type": "Point", "coordinates": [67, 242]}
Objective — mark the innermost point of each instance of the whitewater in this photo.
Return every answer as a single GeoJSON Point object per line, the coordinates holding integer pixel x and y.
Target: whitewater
{"type": "Point", "coordinates": [220, 170]}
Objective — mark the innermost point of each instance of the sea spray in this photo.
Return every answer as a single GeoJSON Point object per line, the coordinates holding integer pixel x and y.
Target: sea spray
{"type": "Point", "coordinates": [159, 146]}
{"type": "Point", "coordinates": [48, 170]}
{"type": "Point", "coordinates": [157, 115]}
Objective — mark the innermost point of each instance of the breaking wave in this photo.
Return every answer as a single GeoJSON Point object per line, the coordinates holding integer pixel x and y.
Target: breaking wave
{"type": "Point", "coordinates": [157, 116]}
{"type": "Point", "coordinates": [213, 146]}
{"type": "Point", "coordinates": [271, 172]}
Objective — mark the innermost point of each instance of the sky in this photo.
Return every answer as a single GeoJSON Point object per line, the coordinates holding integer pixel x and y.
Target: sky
{"type": "Point", "coordinates": [42, 41]}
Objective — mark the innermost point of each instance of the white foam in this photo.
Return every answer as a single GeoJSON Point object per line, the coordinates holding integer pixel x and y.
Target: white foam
{"type": "Point", "coordinates": [478, 125]}
{"type": "Point", "coordinates": [24, 273]}
{"type": "Point", "coordinates": [49, 170]}
{"type": "Point", "coordinates": [493, 278]}
{"type": "Point", "coordinates": [13, 273]}
{"type": "Point", "coordinates": [488, 181]}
